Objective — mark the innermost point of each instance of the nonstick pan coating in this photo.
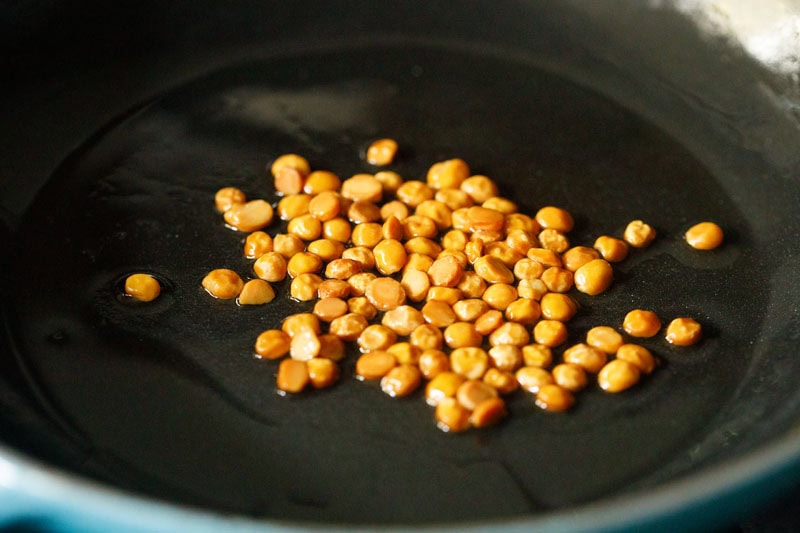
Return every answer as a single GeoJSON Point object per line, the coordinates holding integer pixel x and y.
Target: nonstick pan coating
{"type": "Point", "coordinates": [166, 400]}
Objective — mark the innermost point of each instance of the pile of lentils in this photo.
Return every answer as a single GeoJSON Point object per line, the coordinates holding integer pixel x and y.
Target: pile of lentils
{"type": "Point", "coordinates": [442, 284]}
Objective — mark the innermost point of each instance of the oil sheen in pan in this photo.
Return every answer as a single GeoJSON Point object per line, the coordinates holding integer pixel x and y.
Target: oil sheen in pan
{"type": "Point", "coordinates": [167, 398]}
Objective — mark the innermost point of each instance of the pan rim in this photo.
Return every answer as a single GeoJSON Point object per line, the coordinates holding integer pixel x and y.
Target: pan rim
{"type": "Point", "coordinates": [732, 488]}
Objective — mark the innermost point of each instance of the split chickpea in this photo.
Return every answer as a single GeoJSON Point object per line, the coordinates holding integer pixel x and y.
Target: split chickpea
{"type": "Point", "coordinates": [704, 236]}
{"type": "Point", "coordinates": [142, 287]}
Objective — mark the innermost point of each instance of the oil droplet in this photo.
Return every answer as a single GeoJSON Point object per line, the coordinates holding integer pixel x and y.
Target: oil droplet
{"type": "Point", "coordinates": [58, 337]}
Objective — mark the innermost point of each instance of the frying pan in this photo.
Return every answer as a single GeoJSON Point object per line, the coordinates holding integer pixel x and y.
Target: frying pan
{"type": "Point", "coordinates": [121, 121]}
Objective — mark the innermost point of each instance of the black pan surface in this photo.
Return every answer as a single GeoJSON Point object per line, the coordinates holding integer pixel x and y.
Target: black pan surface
{"type": "Point", "coordinates": [166, 399]}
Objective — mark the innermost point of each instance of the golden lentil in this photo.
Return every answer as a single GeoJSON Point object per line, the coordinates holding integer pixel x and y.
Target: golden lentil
{"type": "Point", "coordinates": [551, 217]}
{"type": "Point", "coordinates": [537, 355]}
{"type": "Point", "coordinates": [604, 338]}
{"type": "Point", "coordinates": [361, 254]}
{"type": "Point", "coordinates": [142, 287]}
{"type": "Point", "coordinates": [321, 181]}
{"type": "Point", "coordinates": [294, 161]}
{"type": "Point", "coordinates": [577, 256]}
{"type": "Point", "coordinates": [594, 277]}
{"type": "Point", "coordinates": [396, 209]}
{"type": "Point", "coordinates": [385, 294]}
{"type": "Point", "coordinates": [637, 355]}
{"type": "Point", "coordinates": [618, 375]}
{"type": "Point", "coordinates": [271, 266]}
{"type": "Point", "coordinates": [684, 331]}
{"type": "Point", "coordinates": [256, 292]}
{"type": "Point", "coordinates": [479, 188]}
{"type": "Point", "coordinates": [381, 152]}
{"type": "Point", "coordinates": [488, 413]}
{"type": "Point", "coordinates": [583, 355]}
{"type": "Point", "coordinates": [533, 289]}
{"type": "Point", "coordinates": [223, 283]}
{"type": "Point", "coordinates": [257, 244]}
{"type": "Point", "coordinates": [287, 245]}
{"type": "Point", "coordinates": [548, 258]}
{"type": "Point", "coordinates": [532, 378]}
{"type": "Point", "coordinates": [331, 347]}
{"type": "Point", "coordinates": [448, 174]}
{"type": "Point", "coordinates": [557, 279]}
{"type": "Point", "coordinates": [469, 361]}
{"type": "Point", "coordinates": [401, 380]}
{"type": "Point", "coordinates": [348, 327]}
{"type": "Point", "coordinates": [322, 372]}
{"type": "Point", "coordinates": [438, 314]}
{"type": "Point", "coordinates": [510, 333]}
{"type": "Point", "coordinates": [403, 319]}
{"type": "Point", "coordinates": [391, 181]}
{"type": "Point", "coordinates": [558, 306]}
{"type": "Point", "coordinates": [292, 376]}
{"type": "Point", "coordinates": [641, 323]}
{"type": "Point", "coordinates": [506, 357]}
{"type": "Point", "coordinates": [326, 249]}
{"type": "Point", "coordinates": [327, 309]}
{"type": "Point", "coordinates": [432, 363]}
{"type": "Point", "coordinates": [704, 236]}
{"type": "Point", "coordinates": [358, 282]}
{"type": "Point", "coordinates": [468, 310]}
{"type": "Point", "coordinates": [553, 240]}
{"type": "Point", "coordinates": [488, 321]}
{"type": "Point", "coordinates": [325, 206]}
{"type": "Point", "coordinates": [361, 306]}
{"type": "Point", "coordinates": [303, 263]}
{"type": "Point", "coordinates": [639, 234]}
{"type": "Point", "coordinates": [451, 416]}
{"type": "Point", "coordinates": [436, 211]}
{"type": "Point", "coordinates": [294, 323]}
{"type": "Point", "coordinates": [423, 246]}
{"type": "Point", "coordinates": [293, 206]}
{"type": "Point", "coordinates": [367, 234]}
{"type": "Point", "coordinates": [272, 344]}
{"type": "Point", "coordinates": [228, 197]}
{"type": "Point", "coordinates": [445, 294]}
{"type": "Point", "coordinates": [553, 397]}
{"type": "Point", "coordinates": [376, 337]}
{"type": "Point", "coordinates": [375, 365]}
{"type": "Point", "coordinates": [443, 385]}
{"type": "Point", "coordinates": [362, 187]}
{"type": "Point", "coordinates": [472, 392]}
{"type": "Point", "coordinates": [342, 269]}
{"type": "Point", "coordinates": [305, 287]}
{"type": "Point", "coordinates": [250, 216]}
{"type": "Point", "coordinates": [611, 249]}
{"type": "Point", "coordinates": [493, 270]}
{"type": "Point", "coordinates": [337, 229]}
{"type": "Point", "coordinates": [503, 205]}
{"type": "Point", "coordinates": [570, 376]}
{"type": "Point", "coordinates": [523, 311]}
{"type": "Point", "coordinates": [413, 193]}
{"type": "Point", "coordinates": [453, 198]}
{"type": "Point", "coordinates": [551, 333]}
{"type": "Point", "coordinates": [392, 228]}
{"type": "Point", "coordinates": [419, 226]}
{"type": "Point", "coordinates": [390, 256]}
{"type": "Point", "coordinates": [462, 334]}
{"type": "Point", "coordinates": [426, 337]}
{"type": "Point", "coordinates": [504, 382]}
{"type": "Point", "coordinates": [445, 272]}
{"type": "Point", "coordinates": [304, 344]}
